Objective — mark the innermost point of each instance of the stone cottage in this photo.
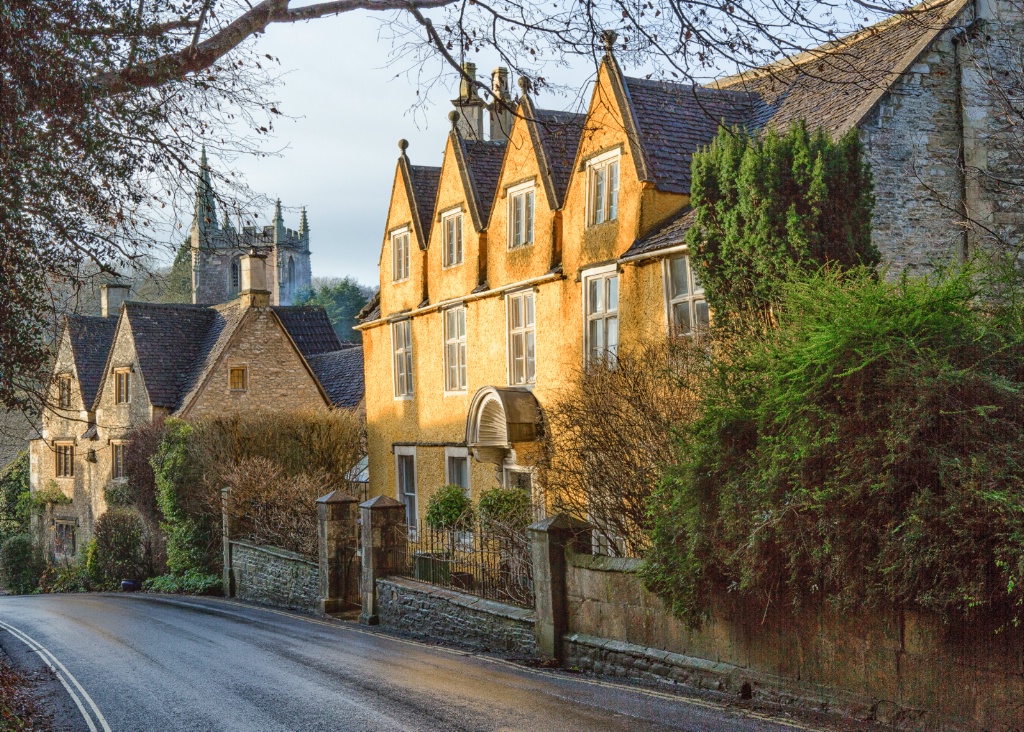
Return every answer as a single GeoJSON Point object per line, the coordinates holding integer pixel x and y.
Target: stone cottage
{"type": "Point", "coordinates": [557, 239]}
{"type": "Point", "coordinates": [141, 362]}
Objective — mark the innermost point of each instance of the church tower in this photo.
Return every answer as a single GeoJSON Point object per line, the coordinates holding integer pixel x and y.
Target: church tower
{"type": "Point", "coordinates": [217, 250]}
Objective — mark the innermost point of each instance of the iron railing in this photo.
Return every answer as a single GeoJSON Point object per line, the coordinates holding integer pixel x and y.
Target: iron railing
{"type": "Point", "coordinates": [493, 562]}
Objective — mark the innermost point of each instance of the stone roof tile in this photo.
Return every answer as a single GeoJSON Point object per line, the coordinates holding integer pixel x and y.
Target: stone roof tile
{"type": "Point", "coordinates": [341, 375]}
{"type": "Point", "coordinates": [425, 180]}
{"type": "Point", "coordinates": [484, 161]}
{"type": "Point", "coordinates": [91, 338]}
{"type": "Point", "coordinates": [309, 327]}
{"type": "Point", "coordinates": [560, 135]}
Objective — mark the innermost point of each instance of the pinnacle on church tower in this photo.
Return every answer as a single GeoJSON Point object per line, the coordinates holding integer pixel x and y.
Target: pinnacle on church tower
{"type": "Point", "coordinates": [278, 223]}
{"type": "Point", "coordinates": [206, 206]}
{"type": "Point", "coordinates": [304, 229]}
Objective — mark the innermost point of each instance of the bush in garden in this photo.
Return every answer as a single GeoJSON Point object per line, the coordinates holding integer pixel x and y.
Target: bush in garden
{"type": "Point", "coordinates": [450, 509]}
{"type": "Point", "coordinates": [865, 453]}
{"type": "Point", "coordinates": [187, 523]}
{"type": "Point", "coordinates": [21, 564]}
{"type": "Point", "coordinates": [269, 507]}
{"type": "Point", "coordinates": [118, 553]}
{"type": "Point", "coordinates": [507, 508]}
{"type": "Point", "coordinates": [190, 583]}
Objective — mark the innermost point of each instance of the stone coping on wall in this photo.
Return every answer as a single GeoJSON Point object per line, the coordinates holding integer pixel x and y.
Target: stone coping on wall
{"type": "Point", "coordinates": [275, 552]}
{"type": "Point", "coordinates": [601, 563]}
{"type": "Point", "coordinates": [618, 658]}
{"type": "Point", "coordinates": [470, 602]}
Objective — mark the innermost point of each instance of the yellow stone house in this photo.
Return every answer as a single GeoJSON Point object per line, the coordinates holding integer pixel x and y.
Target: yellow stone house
{"type": "Point", "coordinates": [512, 263]}
{"type": "Point", "coordinates": [561, 238]}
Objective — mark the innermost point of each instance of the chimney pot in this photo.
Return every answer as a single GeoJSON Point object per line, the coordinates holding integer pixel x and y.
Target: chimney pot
{"type": "Point", "coordinates": [112, 295]}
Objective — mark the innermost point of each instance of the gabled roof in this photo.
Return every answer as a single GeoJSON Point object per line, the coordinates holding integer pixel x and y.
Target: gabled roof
{"type": "Point", "coordinates": [90, 338]}
{"type": "Point", "coordinates": [837, 85]}
{"type": "Point", "coordinates": [340, 373]}
{"type": "Point", "coordinates": [556, 138]}
{"type": "Point", "coordinates": [309, 327]}
{"type": "Point", "coordinates": [674, 120]}
{"type": "Point", "coordinates": [670, 234]}
{"type": "Point", "coordinates": [226, 322]}
{"type": "Point", "coordinates": [480, 167]}
{"type": "Point", "coordinates": [168, 339]}
{"type": "Point", "coordinates": [371, 310]}
{"type": "Point", "coordinates": [424, 181]}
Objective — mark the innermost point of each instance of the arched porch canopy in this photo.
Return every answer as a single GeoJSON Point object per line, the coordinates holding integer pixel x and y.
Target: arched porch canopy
{"type": "Point", "coordinates": [498, 417]}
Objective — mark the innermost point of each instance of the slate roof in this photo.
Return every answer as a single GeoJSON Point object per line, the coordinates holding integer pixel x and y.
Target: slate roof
{"type": "Point", "coordinates": [370, 311]}
{"type": "Point", "coordinates": [560, 134]}
{"type": "Point", "coordinates": [836, 85]}
{"type": "Point", "coordinates": [168, 339]}
{"type": "Point", "coordinates": [484, 161]}
{"type": "Point", "coordinates": [341, 375]}
{"type": "Point", "coordinates": [672, 233]}
{"type": "Point", "coordinates": [310, 328]}
{"type": "Point", "coordinates": [91, 338]}
{"type": "Point", "coordinates": [224, 324]}
{"type": "Point", "coordinates": [674, 120]}
{"type": "Point", "coordinates": [424, 181]}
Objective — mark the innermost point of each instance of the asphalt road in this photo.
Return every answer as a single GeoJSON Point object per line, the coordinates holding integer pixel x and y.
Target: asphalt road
{"type": "Point", "coordinates": [144, 662]}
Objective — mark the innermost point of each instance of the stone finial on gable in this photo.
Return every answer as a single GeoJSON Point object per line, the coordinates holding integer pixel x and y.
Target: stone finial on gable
{"type": "Point", "coordinates": [608, 38]}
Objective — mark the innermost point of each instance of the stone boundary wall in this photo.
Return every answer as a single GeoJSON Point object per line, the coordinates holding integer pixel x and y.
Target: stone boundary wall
{"type": "Point", "coordinates": [273, 576]}
{"type": "Point", "coordinates": [907, 669]}
{"type": "Point", "coordinates": [452, 617]}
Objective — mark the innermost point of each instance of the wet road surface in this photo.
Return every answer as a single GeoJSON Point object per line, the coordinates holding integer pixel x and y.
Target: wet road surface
{"type": "Point", "coordinates": [147, 662]}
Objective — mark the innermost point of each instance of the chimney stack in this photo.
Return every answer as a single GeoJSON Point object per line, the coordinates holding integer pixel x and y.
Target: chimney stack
{"type": "Point", "coordinates": [470, 106]}
{"type": "Point", "coordinates": [112, 295]}
{"type": "Point", "coordinates": [501, 107]}
{"type": "Point", "coordinates": [254, 292]}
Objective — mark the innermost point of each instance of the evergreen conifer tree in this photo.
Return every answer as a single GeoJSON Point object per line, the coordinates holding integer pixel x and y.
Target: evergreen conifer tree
{"type": "Point", "coordinates": [768, 206]}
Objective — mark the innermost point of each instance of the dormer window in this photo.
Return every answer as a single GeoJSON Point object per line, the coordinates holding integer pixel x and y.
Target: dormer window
{"type": "Point", "coordinates": [400, 255]}
{"type": "Point", "coordinates": [64, 390]}
{"type": "Point", "coordinates": [520, 216]}
{"type": "Point", "coordinates": [451, 226]}
{"type": "Point", "coordinates": [122, 384]}
{"type": "Point", "coordinates": [603, 188]}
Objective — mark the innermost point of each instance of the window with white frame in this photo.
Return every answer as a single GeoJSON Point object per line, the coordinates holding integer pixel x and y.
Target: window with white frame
{"type": "Point", "coordinates": [456, 469]}
{"type": "Point", "coordinates": [405, 473]}
{"type": "Point", "coordinates": [520, 216]}
{"type": "Point", "coordinates": [603, 188]}
{"type": "Point", "coordinates": [455, 349]}
{"type": "Point", "coordinates": [522, 339]}
{"type": "Point", "coordinates": [687, 307]}
{"type": "Point", "coordinates": [601, 315]}
{"type": "Point", "coordinates": [401, 344]}
{"type": "Point", "coordinates": [400, 255]}
{"type": "Point", "coordinates": [451, 226]}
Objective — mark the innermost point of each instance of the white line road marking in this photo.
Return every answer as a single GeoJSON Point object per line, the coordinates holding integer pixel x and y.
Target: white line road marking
{"type": "Point", "coordinates": [63, 675]}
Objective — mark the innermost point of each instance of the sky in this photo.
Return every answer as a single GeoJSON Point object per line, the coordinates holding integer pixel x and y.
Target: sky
{"type": "Point", "coordinates": [345, 111]}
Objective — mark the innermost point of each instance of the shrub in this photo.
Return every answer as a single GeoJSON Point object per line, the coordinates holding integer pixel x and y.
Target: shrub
{"type": "Point", "coordinates": [608, 437]}
{"type": "Point", "coordinates": [768, 207]}
{"type": "Point", "coordinates": [866, 453]}
{"type": "Point", "coordinates": [190, 532]}
{"type": "Point", "coordinates": [70, 576]}
{"type": "Point", "coordinates": [143, 442]}
{"type": "Point", "coordinates": [191, 583]}
{"type": "Point", "coordinates": [268, 507]}
{"type": "Point", "coordinates": [14, 486]}
{"type": "Point", "coordinates": [119, 495]}
{"type": "Point", "coordinates": [118, 552]}
{"type": "Point", "coordinates": [47, 496]}
{"type": "Point", "coordinates": [450, 509]}
{"type": "Point", "coordinates": [21, 564]}
{"type": "Point", "coordinates": [509, 508]}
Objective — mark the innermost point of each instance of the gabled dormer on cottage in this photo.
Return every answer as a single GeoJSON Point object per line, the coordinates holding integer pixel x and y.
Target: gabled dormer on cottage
{"type": "Point", "coordinates": [525, 228]}
{"type": "Point", "coordinates": [406, 235]}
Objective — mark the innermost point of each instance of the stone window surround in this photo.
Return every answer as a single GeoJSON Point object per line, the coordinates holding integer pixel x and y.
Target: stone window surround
{"type": "Point", "coordinates": [527, 192]}
{"type": "Point", "coordinates": [694, 295]}
{"type": "Point", "coordinates": [457, 453]}
{"type": "Point", "coordinates": [608, 161]}
{"type": "Point", "coordinates": [117, 460]}
{"type": "Point", "coordinates": [63, 459]}
{"type": "Point", "coordinates": [400, 267]}
{"type": "Point", "coordinates": [459, 342]}
{"type": "Point", "coordinates": [458, 256]}
{"type": "Point", "coordinates": [401, 491]}
{"type": "Point", "coordinates": [525, 330]}
{"type": "Point", "coordinates": [602, 272]}
{"type": "Point", "coordinates": [122, 389]}
{"type": "Point", "coordinates": [232, 369]}
{"type": "Point", "coordinates": [404, 367]}
{"type": "Point", "coordinates": [64, 386]}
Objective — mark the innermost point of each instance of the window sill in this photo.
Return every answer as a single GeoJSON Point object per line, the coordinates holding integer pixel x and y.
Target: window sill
{"type": "Point", "coordinates": [452, 266]}
{"type": "Point", "coordinates": [405, 398]}
{"type": "Point", "coordinates": [239, 391]}
{"type": "Point", "coordinates": [517, 247]}
{"type": "Point", "coordinates": [398, 282]}
{"type": "Point", "coordinates": [456, 392]}
{"type": "Point", "coordinates": [609, 222]}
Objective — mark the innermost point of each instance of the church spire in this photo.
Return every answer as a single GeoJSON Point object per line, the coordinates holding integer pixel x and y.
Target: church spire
{"type": "Point", "coordinates": [304, 229]}
{"type": "Point", "coordinates": [278, 223]}
{"type": "Point", "coordinates": [206, 207]}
